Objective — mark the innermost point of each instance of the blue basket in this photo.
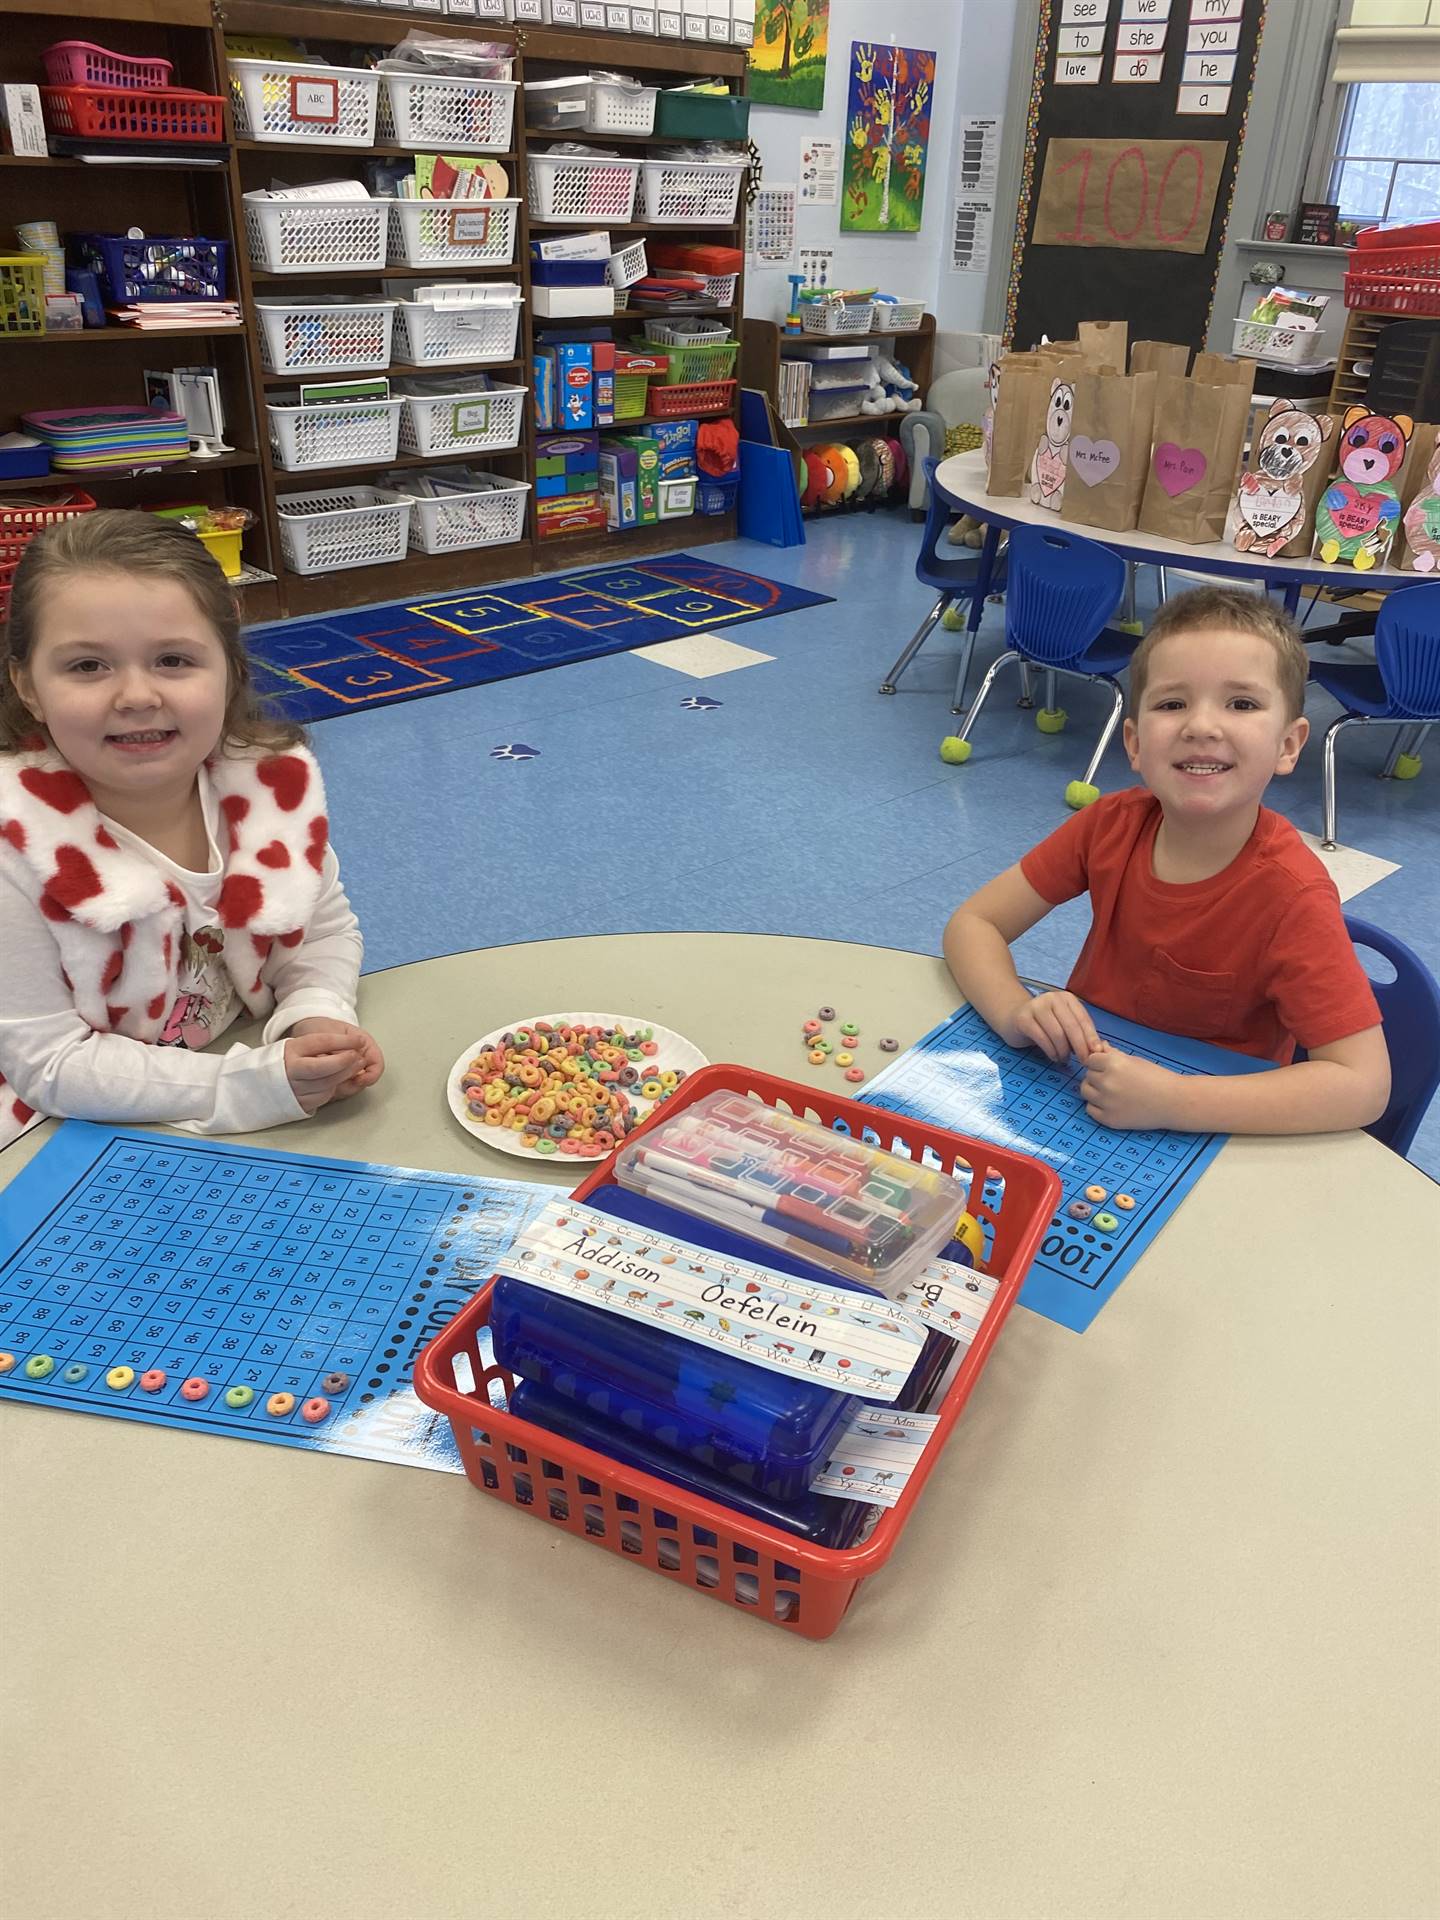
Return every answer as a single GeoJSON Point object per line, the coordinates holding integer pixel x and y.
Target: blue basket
{"type": "Point", "coordinates": [163, 267]}
{"type": "Point", "coordinates": [717, 496]}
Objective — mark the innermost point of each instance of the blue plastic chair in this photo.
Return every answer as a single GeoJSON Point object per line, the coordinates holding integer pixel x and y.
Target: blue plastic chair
{"type": "Point", "coordinates": [1402, 689]}
{"type": "Point", "coordinates": [954, 572]}
{"type": "Point", "coordinates": [1062, 590]}
{"type": "Point", "coordinates": [1410, 1009]}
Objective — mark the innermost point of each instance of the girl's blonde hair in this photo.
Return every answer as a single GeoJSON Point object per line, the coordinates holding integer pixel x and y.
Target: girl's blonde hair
{"type": "Point", "coordinates": [122, 540]}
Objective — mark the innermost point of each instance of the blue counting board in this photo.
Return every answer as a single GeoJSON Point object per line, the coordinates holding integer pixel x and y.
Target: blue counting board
{"type": "Point", "coordinates": [963, 1076]}
{"type": "Point", "coordinates": [242, 1268]}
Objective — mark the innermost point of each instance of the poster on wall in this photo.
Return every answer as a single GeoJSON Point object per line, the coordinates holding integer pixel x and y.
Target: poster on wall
{"type": "Point", "coordinates": [887, 137]}
{"type": "Point", "coordinates": [787, 60]}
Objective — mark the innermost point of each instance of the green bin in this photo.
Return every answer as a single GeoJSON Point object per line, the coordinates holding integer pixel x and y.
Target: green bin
{"type": "Point", "coordinates": [702, 116]}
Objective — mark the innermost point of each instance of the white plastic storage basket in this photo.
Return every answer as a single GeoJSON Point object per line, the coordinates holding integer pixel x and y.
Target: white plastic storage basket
{"type": "Point", "coordinates": [692, 193]}
{"type": "Point", "coordinates": [617, 108]}
{"type": "Point", "coordinates": [721, 288]}
{"type": "Point", "coordinates": [676, 498]}
{"type": "Point", "coordinates": [431, 110]}
{"type": "Point", "coordinates": [898, 316]}
{"type": "Point", "coordinates": [1291, 346]}
{"type": "Point", "coordinates": [686, 330]}
{"type": "Point", "coordinates": [837, 316]}
{"type": "Point", "coordinates": [431, 334]}
{"type": "Point", "coordinates": [485, 421]}
{"type": "Point", "coordinates": [492, 518]}
{"type": "Point", "coordinates": [333, 436]}
{"type": "Point", "coordinates": [343, 527]}
{"type": "Point", "coordinates": [295, 338]}
{"type": "Point", "coordinates": [299, 236]}
{"type": "Point", "coordinates": [452, 233]}
{"type": "Point", "coordinates": [580, 191]}
{"type": "Point", "coordinates": [627, 266]}
{"type": "Point", "coordinates": [293, 104]}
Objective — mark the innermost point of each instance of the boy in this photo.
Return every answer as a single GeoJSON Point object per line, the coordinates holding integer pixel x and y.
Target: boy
{"type": "Point", "coordinates": [1210, 915]}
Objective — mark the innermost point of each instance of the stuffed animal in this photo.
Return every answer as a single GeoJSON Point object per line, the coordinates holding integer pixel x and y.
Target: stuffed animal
{"type": "Point", "coordinates": [1360, 509]}
{"type": "Point", "coordinates": [1050, 461]}
{"type": "Point", "coordinates": [900, 389]}
{"type": "Point", "coordinates": [1422, 517]}
{"type": "Point", "coordinates": [1268, 511]}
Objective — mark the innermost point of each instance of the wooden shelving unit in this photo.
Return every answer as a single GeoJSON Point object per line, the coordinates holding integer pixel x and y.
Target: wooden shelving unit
{"type": "Point", "coordinates": [763, 345]}
{"type": "Point", "coordinates": [202, 193]}
{"type": "Point", "coordinates": [1363, 328]}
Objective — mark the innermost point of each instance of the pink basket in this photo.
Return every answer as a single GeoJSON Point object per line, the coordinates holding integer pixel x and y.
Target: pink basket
{"type": "Point", "coordinates": [79, 63]}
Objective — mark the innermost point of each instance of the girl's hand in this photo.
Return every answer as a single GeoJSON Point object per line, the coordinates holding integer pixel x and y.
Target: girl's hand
{"type": "Point", "coordinates": [317, 1065]}
{"type": "Point", "coordinates": [370, 1062]}
{"type": "Point", "coordinates": [1057, 1023]}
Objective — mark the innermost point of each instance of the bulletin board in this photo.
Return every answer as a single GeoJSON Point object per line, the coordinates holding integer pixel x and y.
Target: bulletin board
{"type": "Point", "coordinates": [1137, 117]}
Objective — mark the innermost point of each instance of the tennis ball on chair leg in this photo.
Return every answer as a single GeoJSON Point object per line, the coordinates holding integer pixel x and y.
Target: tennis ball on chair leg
{"type": "Point", "coordinates": [954, 751]}
{"type": "Point", "coordinates": [953, 620]}
{"type": "Point", "coordinates": [1080, 793]}
{"type": "Point", "coordinates": [1051, 719]}
{"type": "Point", "coordinates": [1407, 767]}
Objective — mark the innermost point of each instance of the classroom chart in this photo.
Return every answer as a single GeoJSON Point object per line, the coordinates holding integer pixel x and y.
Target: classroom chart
{"type": "Point", "coordinates": [242, 1291]}
{"type": "Point", "coordinates": [1119, 1187]}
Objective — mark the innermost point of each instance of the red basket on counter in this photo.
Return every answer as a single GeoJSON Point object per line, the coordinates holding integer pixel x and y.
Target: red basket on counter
{"type": "Point", "coordinates": [697, 397]}
{"type": "Point", "coordinates": [19, 526]}
{"type": "Point", "coordinates": [1396, 269]}
{"type": "Point", "coordinates": [127, 113]}
{"type": "Point", "coordinates": [742, 1562]}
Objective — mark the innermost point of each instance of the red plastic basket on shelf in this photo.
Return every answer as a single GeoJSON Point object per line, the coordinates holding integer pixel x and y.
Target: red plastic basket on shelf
{"type": "Point", "coordinates": [127, 113]}
{"type": "Point", "coordinates": [1396, 269]}
{"type": "Point", "coordinates": [19, 525]}
{"type": "Point", "coordinates": [695, 397]}
{"type": "Point", "coordinates": [80, 63]}
{"type": "Point", "coordinates": [761, 1569]}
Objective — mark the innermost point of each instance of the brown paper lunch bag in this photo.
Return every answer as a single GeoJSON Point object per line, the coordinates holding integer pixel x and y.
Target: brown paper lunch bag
{"type": "Point", "coordinates": [1275, 491]}
{"type": "Point", "coordinates": [1418, 549]}
{"type": "Point", "coordinates": [1109, 450]}
{"type": "Point", "coordinates": [1217, 370]}
{"type": "Point", "coordinates": [1022, 394]}
{"type": "Point", "coordinates": [1198, 437]}
{"type": "Point", "coordinates": [1159, 356]}
{"type": "Point", "coordinates": [1105, 341]}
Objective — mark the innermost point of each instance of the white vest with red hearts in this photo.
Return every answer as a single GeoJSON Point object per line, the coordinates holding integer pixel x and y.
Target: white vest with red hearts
{"type": "Point", "coordinates": [118, 921]}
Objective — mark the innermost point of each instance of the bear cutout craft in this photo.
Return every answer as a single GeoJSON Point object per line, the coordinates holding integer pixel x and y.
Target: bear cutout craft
{"type": "Point", "coordinates": [1051, 460]}
{"type": "Point", "coordinates": [1270, 508]}
{"type": "Point", "coordinates": [1422, 518]}
{"type": "Point", "coordinates": [1360, 510]}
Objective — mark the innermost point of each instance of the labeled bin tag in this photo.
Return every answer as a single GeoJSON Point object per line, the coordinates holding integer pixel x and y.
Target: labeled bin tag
{"type": "Point", "coordinates": [874, 1457]}
{"type": "Point", "coordinates": [823, 1333]}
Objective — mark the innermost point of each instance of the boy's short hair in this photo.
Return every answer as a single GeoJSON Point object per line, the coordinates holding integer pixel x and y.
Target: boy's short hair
{"type": "Point", "coordinates": [1241, 612]}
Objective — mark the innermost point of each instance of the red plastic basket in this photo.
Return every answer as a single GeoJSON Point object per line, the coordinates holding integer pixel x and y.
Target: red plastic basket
{"type": "Point", "coordinates": [19, 525]}
{"type": "Point", "coordinates": [126, 113]}
{"type": "Point", "coordinates": [796, 1585]}
{"type": "Point", "coordinates": [696, 397]}
{"type": "Point", "coordinates": [7, 574]}
{"type": "Point", "coordinates": [80, 63]}
{"type": "Point", "coordinates": [1395, 279]}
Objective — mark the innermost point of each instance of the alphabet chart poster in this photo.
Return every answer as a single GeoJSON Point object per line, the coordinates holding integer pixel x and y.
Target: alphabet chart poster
{"type": "Point", "coordinates": [1119, 1187]}
{"type": "Point", "coordinates": [242, 1291]}
{"type": "Point", "coordinates": [1137, 117]}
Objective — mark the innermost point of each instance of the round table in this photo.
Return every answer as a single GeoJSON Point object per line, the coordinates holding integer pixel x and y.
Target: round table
{"type": "Point", "coordinates": [1158, 1639]}
{"type": "Point", "coordinates": [963, 477]}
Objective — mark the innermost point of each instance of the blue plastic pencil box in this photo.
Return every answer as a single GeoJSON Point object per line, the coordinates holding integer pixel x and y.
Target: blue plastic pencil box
{"type": "Point", "coordinates": [759, 1430]}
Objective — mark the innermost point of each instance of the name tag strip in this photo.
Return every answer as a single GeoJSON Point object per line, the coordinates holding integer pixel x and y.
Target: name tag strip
{"type": "Point", "coordinates": [875, 1456]}
{"type": "Point", "coordinates": [828, 1334]}
{"type": "Point", "coordinates": [950, 1298]}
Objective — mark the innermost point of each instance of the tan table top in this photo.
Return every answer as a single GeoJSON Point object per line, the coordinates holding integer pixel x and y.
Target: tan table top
{"type": "Point", "coordinates": [1160, 1640]}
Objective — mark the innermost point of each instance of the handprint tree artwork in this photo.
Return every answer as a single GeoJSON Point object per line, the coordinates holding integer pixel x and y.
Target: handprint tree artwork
{"type": "Point", "coordinates": [887, 138]}
{"type": "Point", "coordinates": [787, 61]}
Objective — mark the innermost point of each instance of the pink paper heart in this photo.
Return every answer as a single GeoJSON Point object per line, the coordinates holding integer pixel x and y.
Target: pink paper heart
{"type": "Point", "coordinates": [1178, 468]}
{"type": "Point", "coordinates": [1093, 460]}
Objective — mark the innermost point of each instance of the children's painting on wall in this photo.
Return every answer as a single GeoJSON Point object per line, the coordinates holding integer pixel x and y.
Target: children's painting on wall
{"type": "Point", "coordinates": [787, 61]}
{"type": "Point", "coordinates": [887, 136]}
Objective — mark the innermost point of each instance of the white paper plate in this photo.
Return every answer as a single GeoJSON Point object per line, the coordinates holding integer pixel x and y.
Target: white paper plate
{"type": "Point", "coordinates": [674, 1053]}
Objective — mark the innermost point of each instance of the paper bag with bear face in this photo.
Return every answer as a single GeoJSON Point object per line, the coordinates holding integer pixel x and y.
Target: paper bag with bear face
{"type": "Point", "coordinates": [1358, 514]}
{"type": "Point", "coordinates": [1273, 511]}
{"type": "Point", "coordinates": [1109, 449]}
{"type": "Point", "coordinates": [1022, 391]}
{"type": "Point", "coordinates": [1199, 434]}
{"type": "Point", "coordinates": [1050, 461]}
{"type": "Point", "coordinates": [1420, 504]}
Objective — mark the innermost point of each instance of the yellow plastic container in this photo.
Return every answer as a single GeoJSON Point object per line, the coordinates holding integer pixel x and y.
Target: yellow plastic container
{"type": "Point", "coordinates": [221, 546]}
{"type": "Point", "coordinates": [22, 293]}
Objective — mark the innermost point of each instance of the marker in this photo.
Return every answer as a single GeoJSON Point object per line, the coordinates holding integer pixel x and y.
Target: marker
{"type": "Point", "coordinates": [744, 1217]}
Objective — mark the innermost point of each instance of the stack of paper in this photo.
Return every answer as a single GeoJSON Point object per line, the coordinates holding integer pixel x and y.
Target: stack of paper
{"type": "Point", "coordinates": [178, 313]}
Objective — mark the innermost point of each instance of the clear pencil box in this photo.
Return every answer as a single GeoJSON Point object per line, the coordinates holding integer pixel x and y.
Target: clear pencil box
{"type": "Point", "coordinates": [865, 1217]}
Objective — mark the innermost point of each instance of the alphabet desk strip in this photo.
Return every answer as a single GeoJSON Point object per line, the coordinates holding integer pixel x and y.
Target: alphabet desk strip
{"type": "Point", "coordinates": [833, 1335]}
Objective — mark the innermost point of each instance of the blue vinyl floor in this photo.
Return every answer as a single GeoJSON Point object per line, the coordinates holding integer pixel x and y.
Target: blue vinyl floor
{"type": "Point", "coordinates": [837, 817]}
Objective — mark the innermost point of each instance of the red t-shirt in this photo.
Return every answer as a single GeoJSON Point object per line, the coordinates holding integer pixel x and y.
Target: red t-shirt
{"type": "Point", "coordinates": [1255, 958]}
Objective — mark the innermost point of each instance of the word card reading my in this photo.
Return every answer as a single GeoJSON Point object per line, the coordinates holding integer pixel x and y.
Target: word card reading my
{"type": "Point", "coordinates": [844, 1339]}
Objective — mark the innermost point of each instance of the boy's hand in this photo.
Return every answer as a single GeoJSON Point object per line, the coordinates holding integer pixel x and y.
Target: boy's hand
{"type": "Point", "coordinates": [369, 1062]}
{"type": "Point", "coordinates": [1057, 1023]}
{"type": "Point", "coordinates": [1121, 1091]}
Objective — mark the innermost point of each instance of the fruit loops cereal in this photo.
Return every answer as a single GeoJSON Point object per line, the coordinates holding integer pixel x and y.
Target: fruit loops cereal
{"type": "Point", "coordinates": [566, 1089]}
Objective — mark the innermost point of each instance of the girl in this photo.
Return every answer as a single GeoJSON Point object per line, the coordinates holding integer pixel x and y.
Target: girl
{"type": "Point", "coordinates": [165, 866]}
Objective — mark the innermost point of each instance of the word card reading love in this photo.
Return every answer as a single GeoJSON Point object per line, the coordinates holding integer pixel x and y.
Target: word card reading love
{"type": "Point", "coordinates": [841, 1338]}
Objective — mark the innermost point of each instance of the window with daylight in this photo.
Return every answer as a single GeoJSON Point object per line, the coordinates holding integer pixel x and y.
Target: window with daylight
{"type": "Point", "coordinates": [1386, 165]}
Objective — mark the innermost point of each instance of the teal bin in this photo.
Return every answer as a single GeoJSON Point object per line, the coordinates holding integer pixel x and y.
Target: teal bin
{"type": "Point", "coordinates": [702, 116]}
